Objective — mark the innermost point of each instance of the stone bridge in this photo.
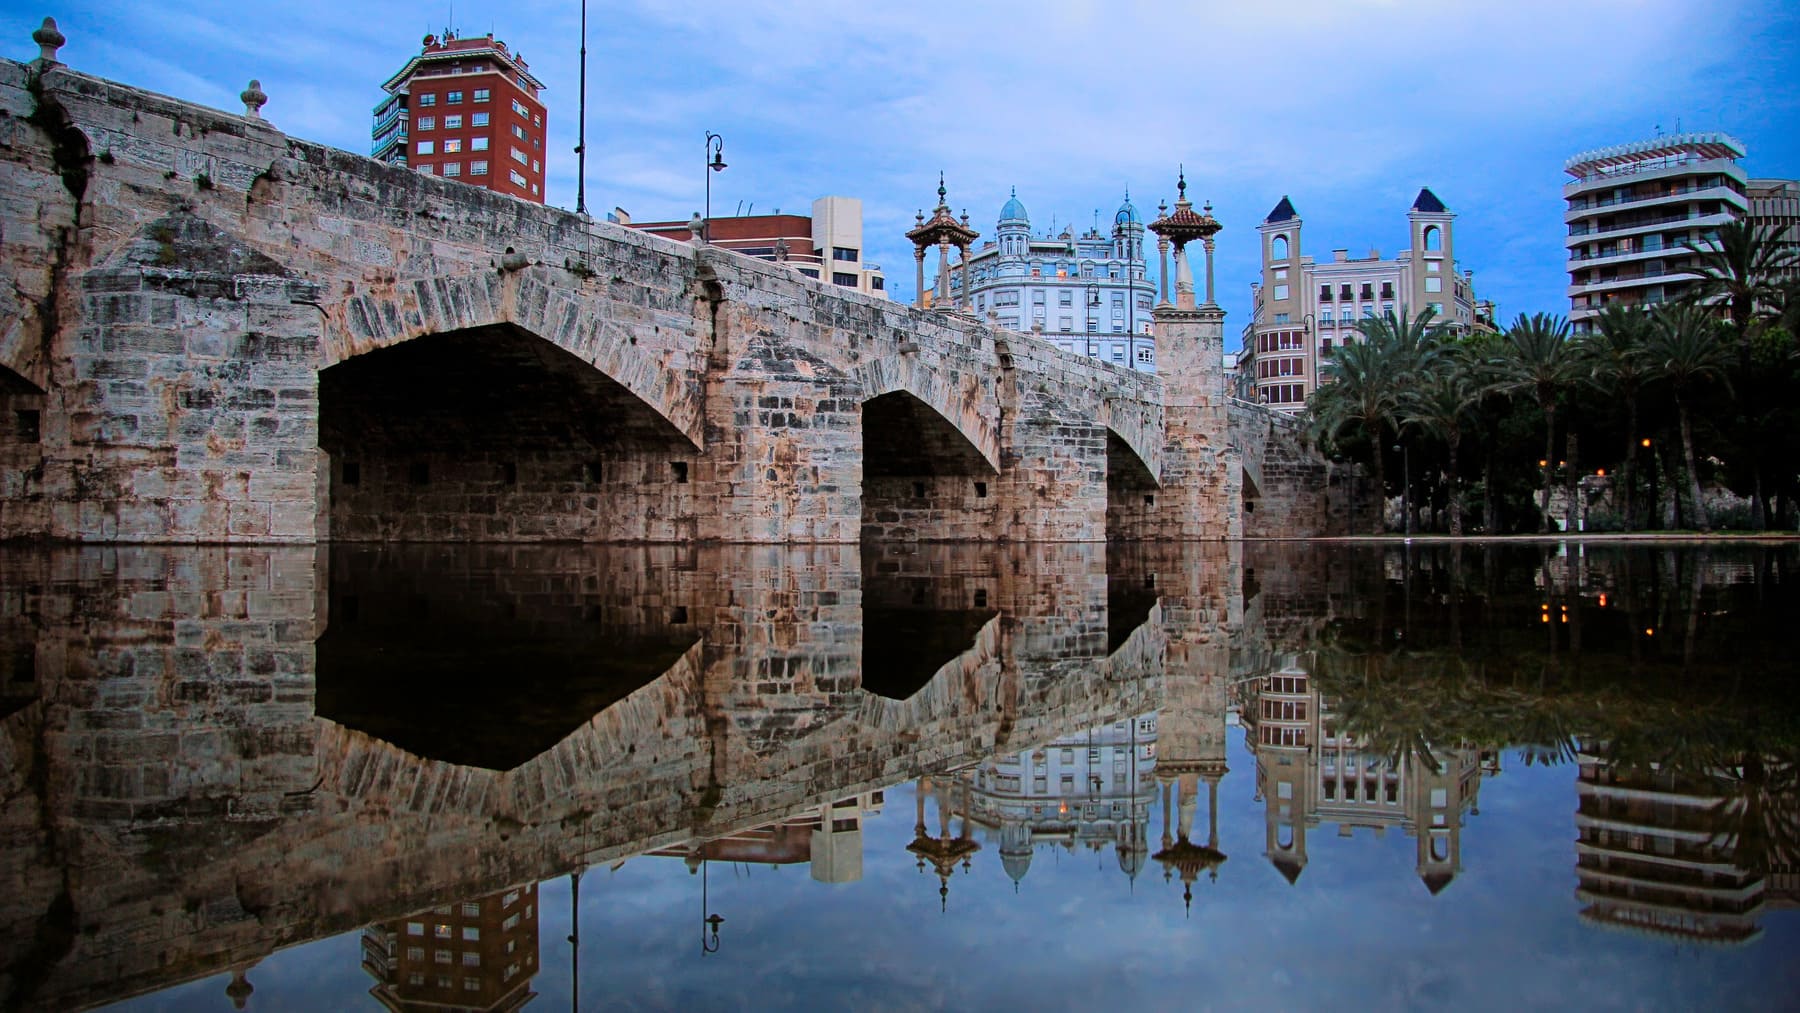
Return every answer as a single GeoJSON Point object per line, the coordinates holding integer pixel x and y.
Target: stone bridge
{"type": "Point", "coordinates": [214, 332]}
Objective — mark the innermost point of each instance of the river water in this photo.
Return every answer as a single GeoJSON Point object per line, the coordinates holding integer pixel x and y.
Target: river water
{"type": "Point", "coordinates": [1282, 775]}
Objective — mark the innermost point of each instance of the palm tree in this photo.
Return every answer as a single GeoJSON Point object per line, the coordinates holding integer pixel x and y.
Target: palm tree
{"type": "Point", "coordinates": [1618, 366]}
{"type": "Point", "coordinates": [1365, 381]}
{"type": "Point", "coordinates": [1686, 351]}
{"type": "Point", "coordinates": [1539, 358]}
{"type": "Point", "coordinates": [1743, 266]}
{"type": "Point", "coordinates": [1440, 404]}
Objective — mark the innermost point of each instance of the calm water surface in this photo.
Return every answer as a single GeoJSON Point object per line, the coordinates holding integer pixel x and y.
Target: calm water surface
{"type": "Point", "coordinates": [1059, 777]}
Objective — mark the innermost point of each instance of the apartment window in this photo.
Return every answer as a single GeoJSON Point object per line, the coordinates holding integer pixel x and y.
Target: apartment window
{"type": "Point", "coordinates": [1368, 312]}
{"type": "Point", "coordinates": [843, 253]}
{"type": "Point", "coordinates": [846, 280]}
{"type": "Point", "coordinates": [471, 984]}
{"type": "Point", "coordinates": [452, 145]}
{"type": "Point", "coordinates": [478, 144]}
{"type": "Point", "coordinates": [425, 123]}
{"type": "Point", "coordinates": [1387, 307]}
{"type": "Point", "coordinates": [477, 168]}
{"type": "Point", "coordinates": [1281, 292]}
{"type": "Point", "coordinates": [453, 123]}
{"type": "Point", "coordinates": [519, 156]}
{"type": "Point", "coordinates": [427, 148]}
{"type": "Point", "coordinates": [1344, 293]}
{"type": "Point", "coordinates": [1434, 284]}
{"type": "Point", "coordinates": [1037, 296]}
{"type": "Point", "coordinates": [810, 272]}
{"type": "Point", "coordinates": [454, 98]}
{"type": "Point", "coordinates": [471, 934]}
{"type": "Point", "coordinates": [518, 180]}
{"type": "Point", "coordinates": [534, 165]}
{"type": "Point", "coordinates": [876, 284]}
{"type": "Point", "coordinates": [478, 119]}
{"type": "Point", "coordinates": [1281, 318]}
{"type": "Point", "coordinates": [452, 168]}
{"type": "Point", "coordinates": [1118, 354]}
{"type": "Point", "coordinates": [415, 953]}
{"type": "Point", "coordinates": [1065, 298]}
{"type": "Point", "coordinates": [1064, 323]}
{"type": "Point", "coordinates": [471, 959]}
{"type": "Point", "coordinates": [481, 95]}
{"type": "Point", "coordinates": [1324, 293]}
{"type": "Point", "coordinates": [1325, 315]}
{"type": "Point", "coordinates": [519, 107]}
{"type": "Point", "coordinates": [425, 168]}
{"type": "Point", "coordinates": [427, 101]}
{"type": "Point", "coordinates": [518, 131]}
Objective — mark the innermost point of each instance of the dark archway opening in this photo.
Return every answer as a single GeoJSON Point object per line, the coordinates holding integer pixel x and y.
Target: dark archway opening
{"type": "Point", "coordinates": [21, 455]}
{"type": "Point", "coordinates": [915, 621]}
{"type": "Point", "coordinates": [922, 479]}
{"type": "Point", "coordinates": [495, 434]}
{"type": "Point", "coordinates": [1130, 492]}
{"type": "Point", "coordinates": [488, 656]}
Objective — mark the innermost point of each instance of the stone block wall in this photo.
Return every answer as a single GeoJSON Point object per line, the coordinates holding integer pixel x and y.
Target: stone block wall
{"type": "Point", "coordinates": [1289, 489]}
{"type": "Point", "coordinates": [194, 296]}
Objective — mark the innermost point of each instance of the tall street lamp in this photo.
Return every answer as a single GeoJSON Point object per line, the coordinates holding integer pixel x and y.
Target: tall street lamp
{"type": "Point", "coordinates": [581, 127]}
{"type": "Point", "coordinates": [1405, 485]}
{"type": "Point", "coordinates": [1093, 307]}
{"type": "Point", "coordinates": [715, 162]}
{"type": "Point", "coordinates": [1124, 217]}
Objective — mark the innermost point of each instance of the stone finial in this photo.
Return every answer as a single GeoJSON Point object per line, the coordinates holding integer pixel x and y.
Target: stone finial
{"type": "Point", "coordinates": [49, 40]}
{"type": "Point", "coordinates": [254, 99]}
{"type": "Point", "coordinates": [696, 228]}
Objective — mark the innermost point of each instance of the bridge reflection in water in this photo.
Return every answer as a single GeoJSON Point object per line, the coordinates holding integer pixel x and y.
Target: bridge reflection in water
{"type": "Point", "coordinates": [212, 755]}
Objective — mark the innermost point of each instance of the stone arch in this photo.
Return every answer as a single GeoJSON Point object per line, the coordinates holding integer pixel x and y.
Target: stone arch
{"type": "Point", "coordinates": [1433, 239]}
{"type": "Point", "coordinates": [546, 303]}
{"type": "Point", "coordinates": [961, 687]}
{"type": "Point", "coordinates": [1139, 430]}
{"type": "Point", "coordinates": [956, 396]}
{"type": "Point", "coordinates": [1278, 247]}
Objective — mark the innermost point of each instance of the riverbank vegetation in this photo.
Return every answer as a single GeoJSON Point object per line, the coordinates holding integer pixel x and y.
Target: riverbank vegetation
{"type": "Point", "coordinates": [1621, 427]}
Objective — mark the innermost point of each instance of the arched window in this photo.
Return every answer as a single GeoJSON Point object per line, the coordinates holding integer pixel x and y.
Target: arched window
{"type": "Point", "coordinates": [1278, 248]}
{"type": "Point", "coordinates": [1434, 238]}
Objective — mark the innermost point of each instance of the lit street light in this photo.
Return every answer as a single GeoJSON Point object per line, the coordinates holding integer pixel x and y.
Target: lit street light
{"type": "Point", "coordinates": [715, 162]}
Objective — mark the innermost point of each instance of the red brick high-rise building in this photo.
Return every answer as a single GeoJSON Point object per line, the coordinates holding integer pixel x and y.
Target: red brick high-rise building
{"type": "Point", "coordinates": [465, 109]}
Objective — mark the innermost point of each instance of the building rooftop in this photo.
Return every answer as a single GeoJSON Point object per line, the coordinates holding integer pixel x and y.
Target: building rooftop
{"type": "Point", "coordinates": [1696, 145]}
{"type": "Point", "coordinates": [1428, 202]}
{"type": "Point", "coordinates": [1284, 212]}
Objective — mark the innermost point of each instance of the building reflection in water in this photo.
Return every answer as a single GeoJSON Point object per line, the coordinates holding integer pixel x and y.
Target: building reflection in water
{"type": "Point", "coordinates": [1658, 850]}
{"type": "Point", "coordinates": [829, 840]}
{"type": "Point", "coordinates": [1083, 792]}
{"type": "Point", "coordinates": [478, 954]}
{"type": "Point", "coordinates": [1309, 770]}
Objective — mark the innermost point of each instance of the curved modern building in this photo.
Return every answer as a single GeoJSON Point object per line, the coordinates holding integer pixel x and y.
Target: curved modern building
{"type": "Point", "coordinates": [1631, 207]}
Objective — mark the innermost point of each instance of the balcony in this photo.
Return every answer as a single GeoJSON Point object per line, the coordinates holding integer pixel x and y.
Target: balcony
{"type": "Point", "coordinates": [1586, 209]}
{"type": "Point", "coordinates": [1624, 228]}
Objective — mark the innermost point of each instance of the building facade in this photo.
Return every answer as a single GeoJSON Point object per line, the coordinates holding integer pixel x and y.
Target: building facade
{"type": "Point", "coordinates": [466, 109]}
{"type": "Point", "coordinates": [1089, 293]}
{"type": "Point", "coordinates": [479, 954]}
{"type": "Point", "coordinates": [1775, 205]}
{"type": "Point", "coordinates": [1302, 310]}
{"type": "Point", "coordinates": [1631, 207]}
{"type": "Point", "coordinates": [827, 245]}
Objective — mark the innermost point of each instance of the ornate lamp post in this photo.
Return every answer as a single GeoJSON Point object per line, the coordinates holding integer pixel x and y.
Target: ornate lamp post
{"type": "Point", "coordinates": [942, 231]}
{"type": "Point", "coordinates": [1180, 228]}
{"type": "Point", "coordinates": [715, 162]}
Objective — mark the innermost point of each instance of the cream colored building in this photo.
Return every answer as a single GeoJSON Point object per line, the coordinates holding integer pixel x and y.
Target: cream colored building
{"type": "Point", "coordinates": [1304, 310]}
{"type": "Point", "coordinates": [827, 245]}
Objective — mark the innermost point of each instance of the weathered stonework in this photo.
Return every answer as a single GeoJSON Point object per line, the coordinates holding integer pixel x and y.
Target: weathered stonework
{"type": "Point", "coordinates": [214, 332]}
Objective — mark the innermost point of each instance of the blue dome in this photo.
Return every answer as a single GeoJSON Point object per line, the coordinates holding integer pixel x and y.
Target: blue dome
{"type": "Point", "coordinates": [1013, 211]}
{"type": "Point", "coordinates": [1128, 212]}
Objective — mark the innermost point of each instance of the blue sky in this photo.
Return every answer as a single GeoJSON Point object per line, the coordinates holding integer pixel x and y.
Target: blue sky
{"type": "Point", "coordinates": [1348, 106]}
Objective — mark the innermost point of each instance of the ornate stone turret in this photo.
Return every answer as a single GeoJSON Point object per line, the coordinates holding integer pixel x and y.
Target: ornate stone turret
{"type": "Point", "coordinates": [944, 231]}
{"type": "Point", "coordinates": [1201, 475]}
{"type": "Point", "coordinates": [1182, 228]}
